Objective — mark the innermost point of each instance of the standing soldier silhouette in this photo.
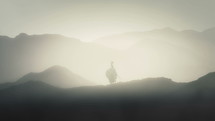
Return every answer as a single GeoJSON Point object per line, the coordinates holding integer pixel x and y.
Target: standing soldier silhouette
{"type": "Point", "coordinates": [111, 74]}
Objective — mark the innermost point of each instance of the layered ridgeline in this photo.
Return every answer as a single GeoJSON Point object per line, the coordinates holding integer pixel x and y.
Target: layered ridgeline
{"type": "Point", "coordinates": [165, 35]}
{"type": "Point", "coordinates": [57, 77]}
{"type": "Point", "coordinates": [24, 53]}
{"type": "Point", "coordinates": [145, 54]}
{"type": "Point", "coordinates": [165, 52]}
{"type": "Point", "coordinates": [34, 53]}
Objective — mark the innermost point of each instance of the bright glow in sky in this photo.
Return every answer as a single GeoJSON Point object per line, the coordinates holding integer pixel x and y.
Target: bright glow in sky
{"type": "Point", "coordinates": [91, 19]}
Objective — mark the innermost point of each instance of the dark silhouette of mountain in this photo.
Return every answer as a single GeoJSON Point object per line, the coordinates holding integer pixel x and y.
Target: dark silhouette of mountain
{"type": "Point", "coordinates": [207, 81]}
{"type": "Point", "coordinates": [145, 86]}
{"type": "Point", "coordinates": [131, 89]}
{"type": "Point", "coordinates": [57, 76]}
{"type": "Point", "coordinates": [148, 86]}
{"type": "Point", "coordinates": [202, 88]}
{"type": "Point", "coordinates": [6, 85]}
{"type": "Point", "coordinates": [29, 92]}
{"type": "Point", "coordinates": [30, 88]}
{"type": "Point", "coordinates": [147, 99]}
{"type": "Point", "coordinates": [150, 83]}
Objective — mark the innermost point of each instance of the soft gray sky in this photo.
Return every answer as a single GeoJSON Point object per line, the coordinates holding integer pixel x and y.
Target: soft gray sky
{"type": "Point", "coordinates": [90, 19]}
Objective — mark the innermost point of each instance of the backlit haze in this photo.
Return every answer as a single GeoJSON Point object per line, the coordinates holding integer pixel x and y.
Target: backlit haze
{"type": "Point", "coordinates": [90, 19]}
{"type": "Point", "coordinates": [145, 38]}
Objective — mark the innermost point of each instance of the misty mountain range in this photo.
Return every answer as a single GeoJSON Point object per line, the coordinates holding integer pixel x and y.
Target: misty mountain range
{"type": "Point", "coordinates": [57, 77]}
{"type": "Point", "coordinates": [33, 53]}
{"type": "Point", "coordinates": [167, 49]}
{"type": "Point", "coordinates": [56, 93]}
{"type": "Point", "coordinates": [52, 77]}
{"type": "Point", "coordinates": [143, 54]}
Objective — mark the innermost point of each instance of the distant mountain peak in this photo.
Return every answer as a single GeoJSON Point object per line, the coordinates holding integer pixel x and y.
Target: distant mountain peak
{"type": "Point", "coordinates": [22, 35]}
{"type": "Point", "coordinates": [58, 76]}
{"type": "Point", "coordinates": [56, 68]}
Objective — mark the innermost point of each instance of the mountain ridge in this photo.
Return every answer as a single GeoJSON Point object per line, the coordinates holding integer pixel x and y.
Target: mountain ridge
{"type": "Point", "coordinates": [56, 75]}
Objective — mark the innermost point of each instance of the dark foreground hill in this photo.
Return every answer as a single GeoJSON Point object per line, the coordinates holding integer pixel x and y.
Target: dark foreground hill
{"type": "Point", "coordinates": [152, 99]}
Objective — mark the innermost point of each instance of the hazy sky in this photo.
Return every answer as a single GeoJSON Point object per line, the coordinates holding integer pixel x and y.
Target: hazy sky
{"type": "Point", "coordinates": [89, 19]}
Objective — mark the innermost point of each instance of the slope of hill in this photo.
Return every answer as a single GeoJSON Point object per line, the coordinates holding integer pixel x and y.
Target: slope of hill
{"type": "Point", "coordinates": [57, 76]}
{"type": "Point", "coordinates": [29, 88]}
{"type": "Point", "coordinates": [204, 84]}
{"type": "Point", "coordinates": [6, 85]}
{"type": "Point", "coordinates": [148, 99]}
{"type": "Point", "coordinates": [33, 91]}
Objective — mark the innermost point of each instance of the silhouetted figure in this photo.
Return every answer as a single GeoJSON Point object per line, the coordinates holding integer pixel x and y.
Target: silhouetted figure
{"type": "Point", "coordinates": [111, 74]}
